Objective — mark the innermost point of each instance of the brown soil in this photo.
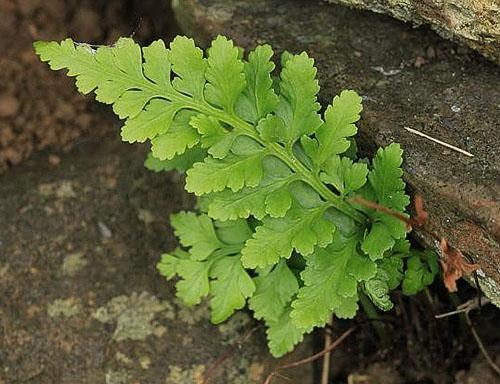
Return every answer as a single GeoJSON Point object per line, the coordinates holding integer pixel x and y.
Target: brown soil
{"type": "Point", "coordinates": [40, 109]}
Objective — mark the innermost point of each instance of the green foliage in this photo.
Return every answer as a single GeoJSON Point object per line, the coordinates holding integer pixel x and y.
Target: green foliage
{"type": "Point", "coordinates": [422, 267]}
{"type": "Point", "coordinates": [388, 187]}
{"type": "Point", "coordinates": [278, 226]}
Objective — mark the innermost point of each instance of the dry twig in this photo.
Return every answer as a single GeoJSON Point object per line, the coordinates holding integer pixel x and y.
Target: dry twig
{"type": "Point", "coordinates": [325, 370]}
{"type": "Point", "coordinates": [466, 307]}
{"type": "Point", "coordinates": [310, 359]}
{"type": "Point", "coordinates": [418, 133]}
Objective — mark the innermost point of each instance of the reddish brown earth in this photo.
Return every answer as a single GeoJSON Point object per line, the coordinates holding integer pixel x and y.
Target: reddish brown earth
{"type": "Point", "coordinates": [40, 109]}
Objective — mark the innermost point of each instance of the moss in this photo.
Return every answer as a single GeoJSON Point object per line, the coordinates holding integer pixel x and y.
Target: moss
{"type": "Point", "coordinates": [178, 375]}
{"type": "Point", "coordinates": [122, 358]}
{"type": "Point", "coordinates": [73, 263]}
{"type": "Point", "coordinates": [118, 377]}
{"type": "Point", "coordinates": [133, 315]}
{"type": "Point", "coordinates": [63, 307]}
{"type": "Point", "coordinates": [234, 327]}
{"type": "Point", "coordinates": [62, 190]}
{"type": "Point", "coordinates": [192, 315]}
{"type": "Point", "coordinates": [145, 362]}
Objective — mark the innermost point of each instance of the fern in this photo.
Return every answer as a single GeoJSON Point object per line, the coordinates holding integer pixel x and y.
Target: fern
{"type": "Point", "coordinates": [278, 227]}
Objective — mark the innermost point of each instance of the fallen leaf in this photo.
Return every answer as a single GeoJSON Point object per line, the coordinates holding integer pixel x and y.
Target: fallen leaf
{"type": "Point", "coordinates": [454, 265]}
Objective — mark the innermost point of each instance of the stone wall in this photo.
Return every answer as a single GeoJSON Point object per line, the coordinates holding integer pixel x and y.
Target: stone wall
{"type": "Point", "coordinates": [475, 23]}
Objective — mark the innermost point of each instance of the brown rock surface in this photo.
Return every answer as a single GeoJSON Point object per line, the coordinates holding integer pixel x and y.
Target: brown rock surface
{"type": "Point", "coordinates": [475, 23]}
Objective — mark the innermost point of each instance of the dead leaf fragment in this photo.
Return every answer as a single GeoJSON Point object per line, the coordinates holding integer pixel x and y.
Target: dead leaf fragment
{"type": "Point", "coordinates": [454, 265]}
{"type": "Point", "coordinates": [421, 217]}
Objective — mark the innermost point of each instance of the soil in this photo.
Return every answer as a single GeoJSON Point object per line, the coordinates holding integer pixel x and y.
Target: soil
{"type": "Point", "coordinates": [41, 109]}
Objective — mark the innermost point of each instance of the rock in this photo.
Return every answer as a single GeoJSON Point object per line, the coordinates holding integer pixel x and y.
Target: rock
{"type": "Point", "coordinates": [87, 25]}
{"type": "Point", "coordinates": [474, 23]}
{"type": "Point", "coordinates": [27, 7]}
{"type": "Point", "coordinates": [9, 105]}
{"type": "Point", "coordinates": [480, 372]}
{"type": "Point", "coordinates": [461, 193]}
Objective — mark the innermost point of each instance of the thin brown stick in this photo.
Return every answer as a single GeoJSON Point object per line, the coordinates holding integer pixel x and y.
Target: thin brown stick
{"type": "Point", "coordinates": [410, 222]}
{"type": "Point", "coordinates": [444, 144]}
{"type": "Point", "coordinates": [229, 351]}
{"type": "Point", "coordinates": [466, 307]}
{"type": "Point", "coordinates": [481, 346]}
{"type": "Point", "coordinates": [325, 370]}
{"type": "Point", "coordinates": [378, 207]}
{"type": "Point", "coordinates": [310, 359]}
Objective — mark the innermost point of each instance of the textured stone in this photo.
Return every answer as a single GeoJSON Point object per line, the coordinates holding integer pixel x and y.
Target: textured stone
{"type": "Point", "coordinates": [471, 22]}
{"type": "Point", "coordinates": [408, 78]}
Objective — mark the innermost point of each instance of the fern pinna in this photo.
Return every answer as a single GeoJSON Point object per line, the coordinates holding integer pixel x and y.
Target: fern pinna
{"type": "Point", "coordinates": [278, 226]}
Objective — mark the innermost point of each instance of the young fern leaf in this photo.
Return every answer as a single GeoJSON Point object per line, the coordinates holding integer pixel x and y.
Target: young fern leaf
{"type": "Point", "coordinates": [330, 281]}
{"type": "Point", "coordinates": [279, 226]}
{"type": "Point", "coordinates": [301, 229]}
{"type": "Point", "coordinates": [297, 106]}
{"type": "Point", "coordinates": [388, 186]}
{"type": "Point", "coordinates": [388, 277]}
{"type": "Point", "coordinates": [422, 267]}
{"type": "Point", "coordinates": [283, 334]}
{"type": "Point", "coordinates": [259, 98]}
{"type": "Point", "coordinates": [274, 291]}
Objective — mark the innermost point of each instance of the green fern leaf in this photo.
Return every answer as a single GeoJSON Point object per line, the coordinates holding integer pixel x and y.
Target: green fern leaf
{"type": "Point", "coordinates": [300, 229]}
{"type": "Point", "coordinates": [330, 284]}
{"type": "Point", "coordinates": [230, 288]}
{"type": "Point", "coordinates": [197, 233]}
{"type": "Point", "coordinates": [258, 99]}
{"type": "Point", "coordinates": [233, 172]}
{"type": "Point", "coordinates": [225, 76]}
{"type": "Point", "coordinates": [283, 334]}
{"type": "Point", "coordinates": [274, 290]}
{"type": "Point", "coordinates": [297, 106]}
